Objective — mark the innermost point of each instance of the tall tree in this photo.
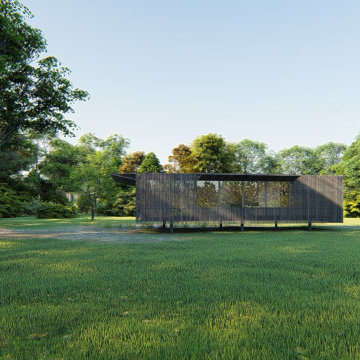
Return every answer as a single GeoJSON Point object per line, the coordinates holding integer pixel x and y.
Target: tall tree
{"type": "Point", "coordinates": [350, 168]}
{"type": "Point", "coordinates": [181, 160]}
{"type": "Point", "coordinates": [150, 164]}
{"type": "Point", "coordinates": [253, 157]}
{"type": "Point", "coordinates": [131, 162]}
{"type": "Point", "coordinates": [36, 95]}
{"type": "Point", "coordinates": [212, 154]}
{"type": "Point", "coordinates": [59, 163]}
{"type": "Point", "coordinates": [330, 154]}
{"type": "Point", "coordinates": [299, 160]}
{"type": "Point", "coordinates": [98, 159]}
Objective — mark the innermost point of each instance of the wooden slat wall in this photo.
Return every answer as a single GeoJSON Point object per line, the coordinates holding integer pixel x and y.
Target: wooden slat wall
{"type": "Point", "coordinates": [173, 197]}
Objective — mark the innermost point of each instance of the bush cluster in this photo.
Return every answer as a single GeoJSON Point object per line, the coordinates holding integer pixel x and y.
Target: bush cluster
{"type": "Point", "coordinates": [50, 210]}
{"type": "Point", "coordinates": [11, 204]}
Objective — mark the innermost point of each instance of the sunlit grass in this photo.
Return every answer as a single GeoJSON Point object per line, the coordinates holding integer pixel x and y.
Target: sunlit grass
{"type": "Point", "coordinates": [108, 222]}
{"type": "Point", "coordinates": [208, 295]}
{"type": "Point", "coordinates": [31, 222]}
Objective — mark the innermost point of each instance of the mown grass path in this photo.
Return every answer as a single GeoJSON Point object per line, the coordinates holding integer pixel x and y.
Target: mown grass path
{"type": "Point", "coordinates": [205, 295]}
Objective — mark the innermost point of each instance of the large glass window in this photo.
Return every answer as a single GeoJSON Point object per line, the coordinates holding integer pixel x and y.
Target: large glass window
{"type": "Point", "coordinates": [254, 194]}
{"type": "Point", "coordinates": [279, 194]}
{"type": "Point", "coordinates": [231, 193]}
{"type": "Point", "coordinates": [207, 193]}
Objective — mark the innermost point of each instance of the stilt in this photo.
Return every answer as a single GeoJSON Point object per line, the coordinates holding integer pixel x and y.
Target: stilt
{"type": "Point", "coordinates": [171, 227]}
{"type": "Point", "coordinates": [276, 224]}
{"type": "Point", "coordinates": [242, 226]}
{"type": "Point", "coordinates": [220, 225]}
{"type": "Point", "coordinates": [164, 224]}
{"type": "Point", "coordinates": [309, 225]}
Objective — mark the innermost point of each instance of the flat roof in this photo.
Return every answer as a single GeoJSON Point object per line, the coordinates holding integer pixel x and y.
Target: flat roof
{"type": "Point", "coordinates": [130, 178]}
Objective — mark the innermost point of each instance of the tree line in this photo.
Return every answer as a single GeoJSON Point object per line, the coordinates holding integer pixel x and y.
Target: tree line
{"type": "Point", "coordinates": [42, 174]}
{"type": "Point", "coordinates": [63, 178]}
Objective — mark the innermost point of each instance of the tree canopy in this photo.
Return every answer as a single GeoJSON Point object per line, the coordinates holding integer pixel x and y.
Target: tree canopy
{"type": "Point", "coordinates": [350, 168]}
{"type": "Point", "coordinates": [131, 162]}
{"type": "Point", "coordinates": [36, 95]}
{"type": "Point", "coordinates": [181, 161]}
{"type": "Point", "coordinates": [253, 157]}
{"type": "Point", "coordinates": [150, 164]}
{"type": "Point", "coordinates": [212, 154]}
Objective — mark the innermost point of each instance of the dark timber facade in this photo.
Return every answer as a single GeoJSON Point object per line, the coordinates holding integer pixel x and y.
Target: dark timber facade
{"type": "Point", "coordinates": [236, 197]}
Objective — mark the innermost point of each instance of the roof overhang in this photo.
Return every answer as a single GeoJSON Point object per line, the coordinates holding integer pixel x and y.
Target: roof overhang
{"type": "Point", "coordinates": [245, 177]}
{"type": "Point", "coordinates": [126, 179]}
{"type": "Point", "coordinates": [130, 178]}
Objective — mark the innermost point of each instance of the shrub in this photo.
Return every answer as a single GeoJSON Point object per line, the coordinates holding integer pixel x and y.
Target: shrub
{"type": "Point", "coordinates": [11, 204]}
{"type": "Point", "coordinates": [31, 207]}
{"type": "Point", "coordinates": [352, 204]}
{"type": "Point", "coordinates": [83, 203]}
{"type": "Point", "coordinates": [125, 204]}
{"type": "Point", "coordinates": [50, 210]}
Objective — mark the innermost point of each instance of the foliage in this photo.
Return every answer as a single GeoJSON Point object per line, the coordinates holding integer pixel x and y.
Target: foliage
{"type": "Point", "coordinates": [18, 156]}
{"type": "Point", "coordinates": [299, 160]}
{"type": "Point", "coordinates": [212, 154]}
{"type": "Point", "coordinates": [207, 194]}
{"type": "Point", "coordinates": [31, 207]}
{"type": "Point", "coordinates": [330, 154]}
{"type": "Point", "coordinates": [98, 159]}
{"type": "Point", "coordinates": [181, 160]}
{"type": "Point", "coordinates": [84, 203]}
{"type": "Point", "coordinates": [352, 203]}
{"type": "Point", "coordinates": [59, 163]}
{"type": "Point", "coordinates": [125, 203]}
{"type": "Point", "coordinates": [36, 94]}
{"type": "Point", "coordinates": [131, 162]}
{"type": "Point", "coordinates": [150, 164]}
{"type": "Point", "coordinates": [11, 204]}
{"type": "Point", "coordinates": [252, 157]}
{"type": "Point", "coordinates": [44, 189]}
{"type": "Point", "coordinates": [50, 210]}
{"type": "Point", "coordinates": [280, 295]}
{"type": "Point", "coordinates": [350, 168]}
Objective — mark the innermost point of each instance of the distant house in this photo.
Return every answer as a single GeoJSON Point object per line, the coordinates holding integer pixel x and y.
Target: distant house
{"type": "Point", "coordinates": [238, 198]}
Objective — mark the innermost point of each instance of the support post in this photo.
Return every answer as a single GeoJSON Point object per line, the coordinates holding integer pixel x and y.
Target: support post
{"type": "Point", "coordinates": [242, 205]}
{"type": "Point", "coordinates": [276, 224]}
{"type": "Point", "coordinates": [288, 194]}
{"type": "Point", "coordinates": [171, 227]}
{"type": "Point", "coordinates": [309, 211]}
{"type": "Point", "coordinates": [219, 204]}
{"type": "Point", "coordinates": [265, 197]}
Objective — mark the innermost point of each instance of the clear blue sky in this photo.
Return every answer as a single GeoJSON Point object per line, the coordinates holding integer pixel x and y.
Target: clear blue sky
{"type": "Point", "coordinates": [161, 72]}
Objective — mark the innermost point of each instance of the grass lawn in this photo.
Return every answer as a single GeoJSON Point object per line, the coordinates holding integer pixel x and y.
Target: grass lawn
{"type": "Point", "coordinates": [195, 295]}
{"type": "Point", "coordinates": [30, 222]}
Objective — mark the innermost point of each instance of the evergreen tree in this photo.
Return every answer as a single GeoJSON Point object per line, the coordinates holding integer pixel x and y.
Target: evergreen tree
{"type": "Point", "coordinates": [150, 164]}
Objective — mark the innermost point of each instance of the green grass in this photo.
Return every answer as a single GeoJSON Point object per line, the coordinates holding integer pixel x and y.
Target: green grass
{"type": "Point", "coordinates": [204, 295]}
{"type": "Point", "coordinates": [31, 222]}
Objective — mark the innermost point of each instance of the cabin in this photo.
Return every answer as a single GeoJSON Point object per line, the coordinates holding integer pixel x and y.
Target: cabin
{"type": "Point", "coordinates": [239, 198]}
